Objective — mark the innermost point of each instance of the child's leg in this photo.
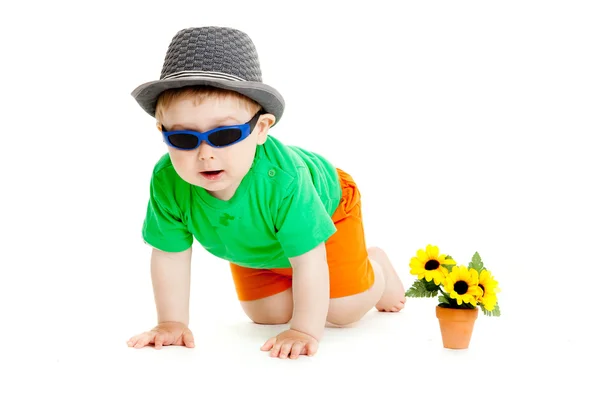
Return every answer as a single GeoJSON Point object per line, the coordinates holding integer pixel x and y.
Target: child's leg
{"type": "Point", "coordinates": [393, 297]}
{"type": "Point", "coordinates": [386, 293]}
{"type": "Point", "coordinates": [265, 295]}
{"type": "Point", "coordinates": [360, 278]}
{"type": "Point", "coordinates": [272, 310]}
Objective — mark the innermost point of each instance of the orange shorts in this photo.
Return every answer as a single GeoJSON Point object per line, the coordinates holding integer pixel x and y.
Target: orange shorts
{"type": "Point", "coordinates": [350, 271]}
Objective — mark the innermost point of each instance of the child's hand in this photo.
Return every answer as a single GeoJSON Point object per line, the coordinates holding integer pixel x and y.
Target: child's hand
{"type": "Point", "coordinates": [292, 343]}
{"type": "Point", "coordinates": [164, 334]}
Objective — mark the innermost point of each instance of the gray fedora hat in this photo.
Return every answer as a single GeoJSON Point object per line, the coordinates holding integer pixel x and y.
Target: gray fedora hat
{"type": "Point", "coordinates": [214, 56]}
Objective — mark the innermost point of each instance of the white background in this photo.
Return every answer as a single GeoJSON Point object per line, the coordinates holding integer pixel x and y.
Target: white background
{"type": "Point", "coordinates": [471, 125]}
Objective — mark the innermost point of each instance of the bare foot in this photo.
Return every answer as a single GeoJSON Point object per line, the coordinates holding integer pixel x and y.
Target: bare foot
{"type": "Point", "coordinates": [393, 298]}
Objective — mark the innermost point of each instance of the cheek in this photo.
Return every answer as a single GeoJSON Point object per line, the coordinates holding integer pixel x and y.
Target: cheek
{"type": "Point", "coordinates": [242, 156]}
{"type": "Point", "coordinates": [182, 160]}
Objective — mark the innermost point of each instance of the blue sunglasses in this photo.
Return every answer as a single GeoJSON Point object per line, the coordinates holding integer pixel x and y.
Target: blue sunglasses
{"type": "Point", "coordinates": [219, 137]}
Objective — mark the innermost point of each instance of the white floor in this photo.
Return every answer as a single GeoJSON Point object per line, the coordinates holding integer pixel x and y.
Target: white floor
{"type": "Point", "coordinates": [72, 346]}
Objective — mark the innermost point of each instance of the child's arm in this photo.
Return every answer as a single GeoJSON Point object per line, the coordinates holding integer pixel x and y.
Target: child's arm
{"type": "Point", "coordinates": [171, 283]}
{"type": "Point", "coordinates": [310, 288]}
{"type": "Point", "coordinates": [311, 292]}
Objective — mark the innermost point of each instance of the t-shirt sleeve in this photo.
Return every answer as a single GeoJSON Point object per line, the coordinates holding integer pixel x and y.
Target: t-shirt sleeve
{"type": "Point", "coordinates": [163, 227]}
{"type": "Point", "coordinates": [302, 221]}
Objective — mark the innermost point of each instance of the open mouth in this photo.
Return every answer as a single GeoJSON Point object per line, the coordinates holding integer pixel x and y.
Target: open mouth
{"type": "Point", "coordinates": [212, 175]}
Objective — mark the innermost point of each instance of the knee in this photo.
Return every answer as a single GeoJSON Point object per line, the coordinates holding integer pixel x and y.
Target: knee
{"type": "Point", "coordinates": [270, 318]}
{"type": "Point", "coordinates": [346, 311]}
{"type": "Point", "coordinates": [342, 319]}
{"type": "Point", "coordinates": [274, 310]}
{"type": "Point", "coordinates": [268, 315]}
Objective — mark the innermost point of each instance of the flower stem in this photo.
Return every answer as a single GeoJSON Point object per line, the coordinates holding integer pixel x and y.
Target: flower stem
{"type": "Point", "coordinates": [445, 295]}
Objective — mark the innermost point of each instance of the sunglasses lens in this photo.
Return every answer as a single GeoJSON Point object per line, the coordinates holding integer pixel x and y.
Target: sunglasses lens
{"type": "Point", "coordinates": [183, 141]}
{"type": "Point", "coordinates": [225, 137]}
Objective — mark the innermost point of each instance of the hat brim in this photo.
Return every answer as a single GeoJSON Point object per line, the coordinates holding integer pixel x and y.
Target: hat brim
{"type": "Point", "coordinates": [269, 98]}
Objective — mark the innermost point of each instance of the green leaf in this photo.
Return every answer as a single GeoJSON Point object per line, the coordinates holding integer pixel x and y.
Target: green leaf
{"type": "Point", "coordinates": [476, 263]}
{"type": "Point", "coordinates": [443, 300]}
{"type": "Point", "coordinates": [420, 289]}
{"type": "Point", "coordinates": [431, 286]}
{"type": "Point", "coordinates": [494, 313]}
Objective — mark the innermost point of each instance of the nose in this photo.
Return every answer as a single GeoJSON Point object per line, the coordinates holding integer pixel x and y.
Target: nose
{"type": "Point", "coordinates": [205, 151]}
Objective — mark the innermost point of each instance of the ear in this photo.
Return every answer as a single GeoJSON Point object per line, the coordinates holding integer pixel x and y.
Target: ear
{"type": "Point", "coordinates": [262, 127]}
{"type": "Point", "coordinates": [159, 126]}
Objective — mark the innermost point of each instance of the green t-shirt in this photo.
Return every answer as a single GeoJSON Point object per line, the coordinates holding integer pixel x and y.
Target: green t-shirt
{"type": "Point", "coordinates": [281, 209]}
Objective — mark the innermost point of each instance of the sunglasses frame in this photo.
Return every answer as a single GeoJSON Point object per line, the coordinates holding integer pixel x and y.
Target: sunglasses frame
{"type": "Point", "coordinates": [245, 129]}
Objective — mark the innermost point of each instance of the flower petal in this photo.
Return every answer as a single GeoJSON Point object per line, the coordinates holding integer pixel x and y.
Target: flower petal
{"type": "Point", "coordinates": [447, 261]}
{"type": "Point", "coordinates": [432, 251]}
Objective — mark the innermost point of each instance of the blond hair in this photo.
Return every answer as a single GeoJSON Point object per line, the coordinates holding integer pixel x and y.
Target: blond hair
{"type": "Point", "coordinates": [199, 94]}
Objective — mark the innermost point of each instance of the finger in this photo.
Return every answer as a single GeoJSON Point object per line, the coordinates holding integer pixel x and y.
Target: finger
{"type": "Point", "coordinates": [276, 349]}
{"type": "Point", "coordinates": [285, 349]}
{"type": "Point", "coordinates": [159, 339]}
{"type": "Point", "coordinates": [311, 348]}
{"type": "Point", "coordinates": [297, 349]}
{"type": "Point", "coordinates": [138, 339]}
{"type": "Point", "coordinates": [268, 344]}
{"type": "Point", "coordinates": [188, 339]}
{"type": "Point", "coordinates": [143, 340]}
{"type": "Point", "coordinates": [134, 339]}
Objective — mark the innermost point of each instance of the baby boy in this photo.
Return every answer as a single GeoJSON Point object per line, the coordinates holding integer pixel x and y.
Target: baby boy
{"type": "Point", "coordinates": [285, 219]}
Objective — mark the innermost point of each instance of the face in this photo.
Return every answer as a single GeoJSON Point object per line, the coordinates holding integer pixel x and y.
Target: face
{"type": "Point", "coordinates": [218, 170]}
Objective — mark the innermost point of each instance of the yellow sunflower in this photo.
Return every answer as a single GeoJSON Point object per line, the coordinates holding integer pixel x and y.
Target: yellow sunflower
{"type": "Point", "coordinates": [429, 263]}
{"type": "Point", "coordinates": [489, 288]}
{"type": "Point", "coordinates": [462, 284]}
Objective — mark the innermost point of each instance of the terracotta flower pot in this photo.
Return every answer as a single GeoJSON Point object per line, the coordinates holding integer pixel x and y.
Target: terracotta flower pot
{"type": "Point", "coordinates": [456, 326]}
